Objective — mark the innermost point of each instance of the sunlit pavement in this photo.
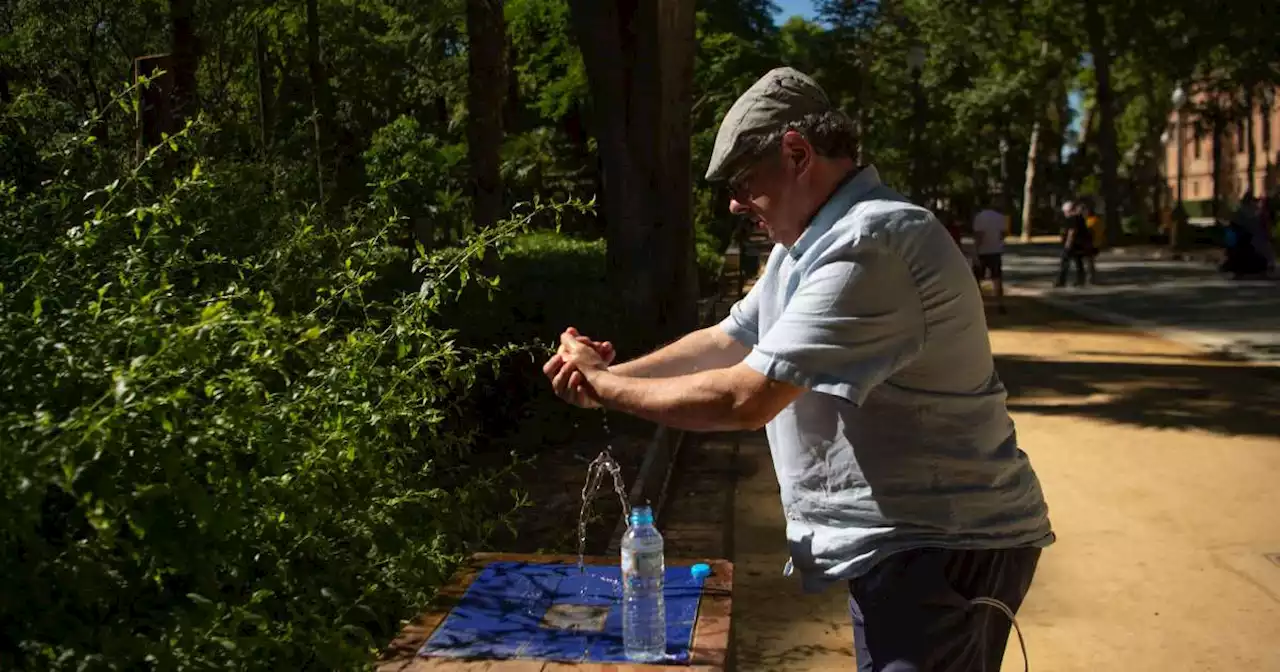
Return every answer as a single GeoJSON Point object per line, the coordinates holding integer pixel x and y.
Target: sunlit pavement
{"type": "Point", "coordinates": [1189, 302]}
{"type": "Point", "coordinates": [1160, 465]}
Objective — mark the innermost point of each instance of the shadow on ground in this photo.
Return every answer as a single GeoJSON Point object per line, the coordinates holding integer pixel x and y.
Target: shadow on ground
{"type": "Point", "coordinates": [1189, 393]}
{"type": "Point", "coordinates": [1028, 314]}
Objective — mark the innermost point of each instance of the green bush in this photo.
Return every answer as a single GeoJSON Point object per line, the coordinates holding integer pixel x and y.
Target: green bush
{"type": "Point", "coordinates": [228, 443]}
{"type": "Point", "coordinates": [421, 177]}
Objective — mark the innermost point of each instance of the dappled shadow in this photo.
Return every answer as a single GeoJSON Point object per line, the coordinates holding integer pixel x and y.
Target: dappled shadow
{"type": "Point", "coordinates": [1029, 314]}
{"type": "Point", "coordinates": [1186, 393]}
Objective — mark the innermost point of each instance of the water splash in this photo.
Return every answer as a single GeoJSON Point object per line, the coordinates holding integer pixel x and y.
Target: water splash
{"type": "Point", "coordinates": [604, 463]}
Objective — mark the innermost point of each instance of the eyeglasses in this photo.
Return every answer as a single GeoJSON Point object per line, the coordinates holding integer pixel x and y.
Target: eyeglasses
{"type": "Point", "coordinates": [740, 183]}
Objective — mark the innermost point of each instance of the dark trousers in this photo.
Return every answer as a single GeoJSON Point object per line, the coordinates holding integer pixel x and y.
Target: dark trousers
{"type": "Point", "coordinates": [1069, 257]}
{"type": "Point", "coordinates": [912, 611]}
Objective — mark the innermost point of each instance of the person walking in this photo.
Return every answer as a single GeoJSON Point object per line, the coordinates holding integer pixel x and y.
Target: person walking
{"type": "Point", "coordinates": [988, 234]}
{"type": "Point", "coordinates": [1095, 243]}
{"type": "Point", "coordinates": [863, 352]}
{"type": "Point", "coordinates": [1076, 243]}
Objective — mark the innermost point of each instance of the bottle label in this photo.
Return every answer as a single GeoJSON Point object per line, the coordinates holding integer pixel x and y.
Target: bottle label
{"type": "Point", "coordinates": [643, 563]}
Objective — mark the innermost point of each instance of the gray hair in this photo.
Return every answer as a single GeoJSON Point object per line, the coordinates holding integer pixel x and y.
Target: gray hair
{"type": "Point", "coordinates": [831, 133]}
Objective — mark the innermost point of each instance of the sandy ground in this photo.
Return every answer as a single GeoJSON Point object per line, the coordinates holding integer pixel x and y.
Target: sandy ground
{"type": "Point", "coordinates": [1161, 468]}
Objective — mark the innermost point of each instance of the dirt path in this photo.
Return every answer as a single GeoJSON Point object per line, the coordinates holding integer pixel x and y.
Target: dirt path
{"type": "Point", "coordinates": [1161, 467]}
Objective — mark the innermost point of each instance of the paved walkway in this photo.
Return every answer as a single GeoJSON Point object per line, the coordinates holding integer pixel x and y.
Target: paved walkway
{"type": "Point", "coordinates": [1160, 465]}
{"type": "Point", "coordinates": [1186, 301]}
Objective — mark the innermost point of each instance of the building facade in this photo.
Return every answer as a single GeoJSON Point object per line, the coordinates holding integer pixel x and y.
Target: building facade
{"type": "Point", "coordinates": [1197, 154]}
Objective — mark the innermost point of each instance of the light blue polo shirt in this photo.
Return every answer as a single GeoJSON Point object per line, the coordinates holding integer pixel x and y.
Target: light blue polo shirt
{"type": "Point", "coordinates": [902, 438]}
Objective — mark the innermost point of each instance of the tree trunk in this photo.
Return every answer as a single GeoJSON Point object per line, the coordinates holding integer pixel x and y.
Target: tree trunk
{"type": "Point", "coordinates": [1106, 117]}
{"type": "Point", "coordinates": [1029, 181]}
{"type": "Point", "coordinates": [639, 59]}
{"type": "Point", "coordinates": [320, 109]}
{"type": "Point", "coordinates": [101, 129]}
{"type": "Point", "coordinates": [1029, 201]}
{"type": "Point", "coordinates": [185, 52]}
{"type": "Point", "coordinates": [265, 105]}
{"type": "Point", "coordinates": [486, 84]}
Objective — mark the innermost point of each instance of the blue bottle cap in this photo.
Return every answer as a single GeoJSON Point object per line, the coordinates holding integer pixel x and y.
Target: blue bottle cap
{"type": "Point", "coordinates": [700, 571]}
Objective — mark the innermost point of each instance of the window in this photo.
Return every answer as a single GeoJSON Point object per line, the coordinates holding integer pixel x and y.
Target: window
{"type": "Point", "coordinates": [1197, 148]}
{"type": "Point", "coordinates": [1195, 184]}
{"type": "Point", "coordinates": [1241, 136]}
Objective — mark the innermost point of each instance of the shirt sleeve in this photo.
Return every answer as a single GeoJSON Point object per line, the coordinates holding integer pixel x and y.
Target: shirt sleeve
{"type": "Point", "coordinates": [853, 321]}
{"type": "Point", "coordinates": [743, 321]}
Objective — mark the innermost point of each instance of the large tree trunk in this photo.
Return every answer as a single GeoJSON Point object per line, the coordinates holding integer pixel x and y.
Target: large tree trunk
{"type": "Point", "coordinates": [185, 52]}
{"type": "Point", "coordinates": [486, 84]}
{"type": "Point", "coordinates": [639, 58]}
{"type": "Point", "coordinates": [1106, 117]}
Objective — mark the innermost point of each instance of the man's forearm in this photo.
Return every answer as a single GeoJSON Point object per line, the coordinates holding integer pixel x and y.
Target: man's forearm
{"type": "Point", "coordinates": [702, 350]}
{"type": "Point", "coordinates": [699, 402]}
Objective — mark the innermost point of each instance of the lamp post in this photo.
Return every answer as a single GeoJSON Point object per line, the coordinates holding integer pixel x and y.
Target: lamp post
{"type": "Point", "coordinates": [1163, 172]}
{"type": "Point", "coordinates": [915, 63]}
{"type": "Point", "coordinates": [1179, 101]}
{"type": "Point", "coordinates": [1268, 99]}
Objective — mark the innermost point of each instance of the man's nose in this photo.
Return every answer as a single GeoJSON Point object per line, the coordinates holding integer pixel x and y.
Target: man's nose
{"type": "Point", "coordinates": [737, 207]}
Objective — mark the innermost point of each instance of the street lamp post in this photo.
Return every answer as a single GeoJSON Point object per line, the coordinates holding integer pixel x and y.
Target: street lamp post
{"type": "Point", "coordinates": [1163, 172]}
{"type": "Point", "coordinates": [1268, 99]}
{"type": "Point", "coordinates": [915, 63]}
{"type": "Point", "coordinates": [1179, 101]}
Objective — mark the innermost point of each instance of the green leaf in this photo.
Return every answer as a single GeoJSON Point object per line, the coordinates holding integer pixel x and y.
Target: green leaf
{"type": "Point", "coordinates": [37, 309]}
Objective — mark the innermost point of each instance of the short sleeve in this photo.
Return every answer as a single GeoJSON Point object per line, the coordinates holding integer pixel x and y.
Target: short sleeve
{"type": "Point", "coordinates": [854, 319]}
{"type": "Point", "coordinates": [743, 321]}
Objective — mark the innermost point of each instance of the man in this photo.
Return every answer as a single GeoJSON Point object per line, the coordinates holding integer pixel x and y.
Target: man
{"type": "Point", "coordinates": [1076, 243]}
{"type": "Point", "coordinates": [863, 350]}
{"type": "Point", "coordinates": [988, 235]}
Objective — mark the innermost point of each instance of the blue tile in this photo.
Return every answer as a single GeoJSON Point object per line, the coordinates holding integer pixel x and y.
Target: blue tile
{"type": "Point", "coordinates": [500, 615]}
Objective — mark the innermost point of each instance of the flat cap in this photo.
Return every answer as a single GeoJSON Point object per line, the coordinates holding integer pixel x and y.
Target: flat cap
{"type": "Point", "coordinates": [781, 97]}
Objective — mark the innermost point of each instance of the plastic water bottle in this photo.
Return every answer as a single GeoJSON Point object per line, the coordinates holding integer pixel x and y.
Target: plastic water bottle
{"type": "Point", "coordinates": [644, 613]}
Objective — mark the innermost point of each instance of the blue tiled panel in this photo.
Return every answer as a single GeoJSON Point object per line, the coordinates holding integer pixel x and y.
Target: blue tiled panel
{"type": "Point", "coordinates": [500, 615]}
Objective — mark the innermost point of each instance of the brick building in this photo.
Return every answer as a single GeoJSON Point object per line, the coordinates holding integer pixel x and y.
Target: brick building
{"type": "Point", "coordinates": [1197, 154]}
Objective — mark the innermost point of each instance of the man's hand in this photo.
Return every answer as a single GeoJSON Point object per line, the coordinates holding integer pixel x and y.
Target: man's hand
{"type": "Point", "coordinates": [603, 348]}
{"type": "Point", "coordinates": [566, 368]}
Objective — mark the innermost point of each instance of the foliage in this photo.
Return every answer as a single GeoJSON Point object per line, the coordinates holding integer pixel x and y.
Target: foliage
{"type": "Point", "coordinates": [420, 175]}
{"type": "Point", "coordinates": [246, 432]}
{"type": "Point", "coordinates": [227, 448]}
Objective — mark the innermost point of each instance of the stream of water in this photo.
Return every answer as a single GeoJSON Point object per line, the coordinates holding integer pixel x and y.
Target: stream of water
{"type": "Point", "coordinates": [604, 463]}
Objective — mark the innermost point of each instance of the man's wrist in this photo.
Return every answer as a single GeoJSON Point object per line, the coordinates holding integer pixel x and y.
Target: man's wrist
{"type": "Point", "coordinates": [602, 381]}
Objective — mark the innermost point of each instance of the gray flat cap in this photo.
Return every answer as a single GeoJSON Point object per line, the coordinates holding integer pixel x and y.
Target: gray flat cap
{"type": "Point", "coordinates": [781, 97]}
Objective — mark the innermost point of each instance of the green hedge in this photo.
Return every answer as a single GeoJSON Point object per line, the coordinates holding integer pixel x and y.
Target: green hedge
{"type": "Point", "coordinates": [229, 439]}
{"type": "Point", "coordinates": [238, 432]}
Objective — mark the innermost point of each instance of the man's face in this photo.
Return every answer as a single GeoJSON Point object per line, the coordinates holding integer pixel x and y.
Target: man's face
{"type": "Point", "coordinates": [773, 190]}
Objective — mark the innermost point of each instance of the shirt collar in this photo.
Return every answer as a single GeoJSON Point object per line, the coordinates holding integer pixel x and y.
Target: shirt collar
{"type": "Point", "coordinates": [849, 192]}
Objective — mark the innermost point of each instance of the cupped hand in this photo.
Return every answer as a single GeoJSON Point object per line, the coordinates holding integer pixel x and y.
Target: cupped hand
{"type": "Point", "coordinates": [603, 348]}
{"type": "Point", "coordinates": [576, 354]}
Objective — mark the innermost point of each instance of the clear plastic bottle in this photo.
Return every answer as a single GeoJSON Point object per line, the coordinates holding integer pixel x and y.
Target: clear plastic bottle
{"type": "Point", "coordinates": [644, 612]}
